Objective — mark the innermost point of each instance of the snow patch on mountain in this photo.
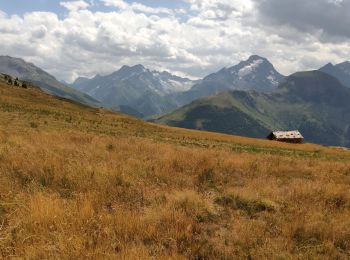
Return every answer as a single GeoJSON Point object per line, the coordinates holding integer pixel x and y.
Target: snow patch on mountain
{"type": "Point", "coordinates": [248, 69]}
{"type": "Point", "coordinates": [171, 84]}
{"type": "Point", "coordinates": [273, 80]}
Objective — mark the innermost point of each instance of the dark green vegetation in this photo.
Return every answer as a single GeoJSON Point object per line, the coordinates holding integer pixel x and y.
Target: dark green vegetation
{"type": "Point", "coordinates": [313, 102]}
{"type": "Point", "coordinates": [29, 72]}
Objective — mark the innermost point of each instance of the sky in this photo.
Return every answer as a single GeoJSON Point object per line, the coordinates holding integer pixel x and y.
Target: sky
{"type": "Point", "coordinates": [186, 37]}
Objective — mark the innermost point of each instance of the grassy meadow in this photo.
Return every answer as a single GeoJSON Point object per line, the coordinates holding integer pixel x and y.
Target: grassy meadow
{"type": "Point", "coordinates": [84, 183]}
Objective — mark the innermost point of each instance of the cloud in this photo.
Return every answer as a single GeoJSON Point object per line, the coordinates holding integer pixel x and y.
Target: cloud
{"type": "Point", "coordinates": [197, 40]}
{"type": "Point", "coordinates": [329, 19]}
{"type": "Point", "coordinates": [137, 7]}
{"type": "Point", "coordinates": [39, 32]}
{"type": "Point", "coordinates": [222, 9]}
{"type": "Point", "coordinates": [149, 10]}
{"type": "Point", "coordinates": [116, 3]}
{"type": "Point", "coordinates": [75, 5]}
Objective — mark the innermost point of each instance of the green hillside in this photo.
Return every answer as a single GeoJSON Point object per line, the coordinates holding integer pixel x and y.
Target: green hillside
{"type": "Point", "coordinates": [23, 70]}
{"type": "Point", "coordinates": [312, 102]}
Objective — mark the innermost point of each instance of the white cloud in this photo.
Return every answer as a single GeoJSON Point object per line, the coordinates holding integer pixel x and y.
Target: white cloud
{"type": "Point", "coordinates": [221, 9]}
{"type": "Point", "coordinates": [39, 32]}
{"type": "Point", "coordinates": [75, 5]}
{"type": "Point", "coordinates": [150, 10]}
{"type": "Point", "coordinates": [137, 7]}
{"type": "Point", "coordinates": [208, 35]}
{"type": "Point", "coordinates": [116, 3]}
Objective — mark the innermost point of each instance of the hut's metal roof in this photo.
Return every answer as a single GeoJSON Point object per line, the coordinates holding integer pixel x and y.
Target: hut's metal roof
{"type": "Point", "coordinates": [288, 134]}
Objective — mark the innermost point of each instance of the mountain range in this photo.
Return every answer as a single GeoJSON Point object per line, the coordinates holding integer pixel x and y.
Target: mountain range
{"type": "Point", "coordinates": [27, 71]}
{"type": "Point", "coordinates": [313, 102]}
{"type": "Point", "coordinates": [136, 87]}
{"type": "Point", "coordinates": [340, 71]}
{"type": "Point", "coordinates": [256, 73]}
{"type": "Point", "coordinates": [152, 92]}
{"type": "Point", "coordinates": [251, 98]}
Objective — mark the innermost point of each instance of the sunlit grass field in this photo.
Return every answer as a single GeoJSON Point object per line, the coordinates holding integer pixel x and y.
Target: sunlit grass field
{"type": "Point", "coordinates": [84, 183]}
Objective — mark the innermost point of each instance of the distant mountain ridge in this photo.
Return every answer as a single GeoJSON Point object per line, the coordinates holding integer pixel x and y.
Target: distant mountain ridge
{"type": "Point", "coordinates": [144, 93]}
{"type": "Point", "coordinates": [152, 92]}
{"type": "Point", "coordinates": [340, 71]}
{"type": "Point", "coordinates": [313, 102]}
{"type": "Point", "coordinates": [255, 73]}
{"type": "Point", "coordinates": [17, 67]}
{"type": "Point", "coordinates": [137, 87]}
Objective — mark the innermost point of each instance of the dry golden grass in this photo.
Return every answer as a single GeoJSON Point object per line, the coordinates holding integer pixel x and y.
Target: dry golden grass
{"type": "Point", "coordinates": [80, 183]}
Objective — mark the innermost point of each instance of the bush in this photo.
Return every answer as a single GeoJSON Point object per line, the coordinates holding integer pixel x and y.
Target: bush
{"type": "Point", "coordinates": [206, 179]}
{"type": "Point", "coordinates": [250, 206]}
{"type": "Point", "coordinates": [337, 202]}
{"type": "Point", "coordinates": [305, 237]}
{"type": "Point", "coordinates": [34, 125]}
{"type": "Point", "coordinates": [110, 147]}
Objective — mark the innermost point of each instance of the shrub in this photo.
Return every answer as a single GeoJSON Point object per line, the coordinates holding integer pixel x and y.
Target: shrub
{"type": "Point", "coordinates": [250, 206]}
{"type": "Point", "coordinates": [338, 202]}
{"type": "Point", "coordinates": [305, 237]}
{"type": "Point", "coordinates": [206, 178]}
{"type": "Point", "coordinates": [34, 125]}
{"type": "Point", "coordinates": [110, 147]}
